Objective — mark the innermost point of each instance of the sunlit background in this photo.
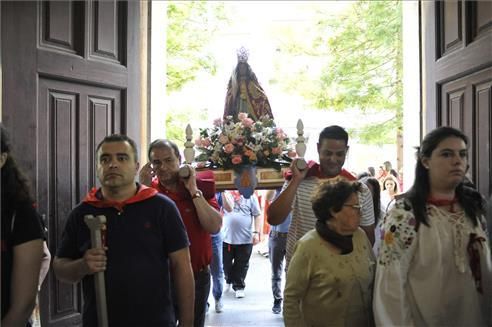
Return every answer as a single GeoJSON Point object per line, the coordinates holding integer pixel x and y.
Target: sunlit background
{"type": "Point", "coordinates": [263, 27]}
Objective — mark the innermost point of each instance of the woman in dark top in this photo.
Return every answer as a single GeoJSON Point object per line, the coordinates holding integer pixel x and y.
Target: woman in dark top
{"type": "Point", "coordinates": [22, 241]}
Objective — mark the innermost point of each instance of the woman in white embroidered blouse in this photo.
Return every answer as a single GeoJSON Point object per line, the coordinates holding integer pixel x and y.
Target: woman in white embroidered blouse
{"type": "Point", "coordinates": [434, 266]}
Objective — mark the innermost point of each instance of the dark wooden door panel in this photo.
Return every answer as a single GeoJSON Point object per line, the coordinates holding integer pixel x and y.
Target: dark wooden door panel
{"type": "Point", "coordinates": [104, 119]}
{"type": "Point", "coordinates": [482, 10]}
{"type": "Point", "coordinates": [466, 105]}
{"type": "Point", "coordinates": [483, 136]}
{"type": "Point", "coordinates": [108, 38]}
{"type": "Point", "coordinates": [450, 26]}
{"type": "Point", "coordinates": [73, 118]}
{"type": "Point", "coordinates": [62, 26]}
{"type": "Point", "coordinates": [457, 72]}
{"type": "Point", "coordinates": [66, 84]}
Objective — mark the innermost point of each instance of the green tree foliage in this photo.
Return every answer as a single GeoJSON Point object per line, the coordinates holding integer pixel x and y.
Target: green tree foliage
{"type": "Point", "coordinates": [358, 59]}
{"type": "Point", "coordinates": [176, 124]}
{"type": "Point", "coordinates": [190, 27]}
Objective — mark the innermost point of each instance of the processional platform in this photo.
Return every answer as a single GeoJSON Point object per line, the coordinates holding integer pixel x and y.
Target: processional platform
{"type": "Point", "coordinates": [268, 178]}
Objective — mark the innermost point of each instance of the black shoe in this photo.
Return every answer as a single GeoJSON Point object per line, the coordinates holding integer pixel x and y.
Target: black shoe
{"type": "Point", "coordinates": [277, 306]}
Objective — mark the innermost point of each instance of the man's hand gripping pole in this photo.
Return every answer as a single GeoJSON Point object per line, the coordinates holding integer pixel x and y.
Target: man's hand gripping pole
{"type": "Point", "coordinates": [96, 224]}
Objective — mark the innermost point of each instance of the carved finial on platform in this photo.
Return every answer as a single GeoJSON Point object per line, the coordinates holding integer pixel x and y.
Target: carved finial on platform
{"type": "Point", "coordinates": [300, 146]}
{"type": "Point", "coordinates": [189, 153]}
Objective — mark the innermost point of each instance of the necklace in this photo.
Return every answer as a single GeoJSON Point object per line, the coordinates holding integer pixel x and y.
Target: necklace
{"type": "Point", "coordinates": [443, 202]}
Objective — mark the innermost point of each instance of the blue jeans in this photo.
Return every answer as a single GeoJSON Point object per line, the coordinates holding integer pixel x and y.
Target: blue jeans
{"type": "Point", "coordinates": [276, 253]}
{"type": "Point", "coordinates": [216, 268]}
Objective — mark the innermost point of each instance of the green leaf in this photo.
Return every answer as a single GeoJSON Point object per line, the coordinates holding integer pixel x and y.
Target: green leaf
{"type": "Point", "coordinates": [360, 58]}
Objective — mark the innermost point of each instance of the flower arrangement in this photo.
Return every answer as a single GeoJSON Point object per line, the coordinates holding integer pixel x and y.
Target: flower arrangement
{"type": "Point", "coordinates": [230, 145]}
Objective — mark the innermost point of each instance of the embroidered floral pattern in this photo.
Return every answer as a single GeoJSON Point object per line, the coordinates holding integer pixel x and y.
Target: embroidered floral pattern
{"type": "Point", "coordinates": [398, 233]}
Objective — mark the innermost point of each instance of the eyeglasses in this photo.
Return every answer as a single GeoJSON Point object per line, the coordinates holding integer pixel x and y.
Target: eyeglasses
{"type": "Point", "coordinates": [353, 206]}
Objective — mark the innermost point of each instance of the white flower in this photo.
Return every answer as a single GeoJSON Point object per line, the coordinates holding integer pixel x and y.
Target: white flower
{"type": "Point", "coordinates": [245, 142]}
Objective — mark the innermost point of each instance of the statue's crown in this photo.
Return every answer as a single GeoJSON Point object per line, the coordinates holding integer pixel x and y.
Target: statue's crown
{"type": "Point", "coordinates": [242, 54]}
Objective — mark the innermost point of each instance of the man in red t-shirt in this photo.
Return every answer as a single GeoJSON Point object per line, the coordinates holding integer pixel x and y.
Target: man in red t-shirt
{"type": "Point", "coordinates": [195, 198]}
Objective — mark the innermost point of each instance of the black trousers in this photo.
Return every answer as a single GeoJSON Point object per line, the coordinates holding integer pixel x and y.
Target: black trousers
{"type": "Point", "coordinates": [202, 288]}
{"type": "Point", "coordinates": [236, 263]}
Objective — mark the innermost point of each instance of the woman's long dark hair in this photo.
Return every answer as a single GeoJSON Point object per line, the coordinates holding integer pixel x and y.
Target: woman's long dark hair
{"type": "Point", "coordinates": [373, 183]}
{"type": "Point", "coordinates": [15, 187]}
{"type": "Point", "coordinates": [471, 200]}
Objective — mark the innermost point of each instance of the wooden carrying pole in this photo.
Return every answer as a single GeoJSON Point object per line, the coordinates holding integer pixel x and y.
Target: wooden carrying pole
{"type": "Point", "coordinates": [300, 146]}
{"type": "Point", "coordinates": [95, 225]}
{"type": "Point", "coordinates": [189, 153]}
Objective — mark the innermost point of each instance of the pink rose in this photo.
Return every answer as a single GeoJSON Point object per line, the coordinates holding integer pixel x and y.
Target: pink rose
{"type": "Point", "coordinates": [223, 139]}
{"type": "Point", "coordinates": [248, 122]}
{"type": "Point", "coordinates": [228, 148]}
{"type": "Point", "coordinates": [242, 116]}
{"type": "Point", "coordinates": [250, 154]}
{"type": "Point", "coordinates": [236, 159]}
{"type": "Point", "coordinates": [206, 143]}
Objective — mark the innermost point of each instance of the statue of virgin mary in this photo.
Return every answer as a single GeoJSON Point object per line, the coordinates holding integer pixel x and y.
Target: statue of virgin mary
{"type": "Point", "coordinates": [244, 92]}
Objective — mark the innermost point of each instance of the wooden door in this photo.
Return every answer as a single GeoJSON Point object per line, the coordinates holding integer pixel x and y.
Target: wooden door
{"type": "Point", "coordinates": [457, 76]}
{"type": "Point", "coordinates": [70, 77]}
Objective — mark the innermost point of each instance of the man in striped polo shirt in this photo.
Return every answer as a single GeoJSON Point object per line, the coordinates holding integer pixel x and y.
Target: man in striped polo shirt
{"type": "Point", "coordinates": [300, 185]}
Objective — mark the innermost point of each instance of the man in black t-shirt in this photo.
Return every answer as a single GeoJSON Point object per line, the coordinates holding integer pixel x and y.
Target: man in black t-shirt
{"type": "Point", "coordinates": [145, 243]}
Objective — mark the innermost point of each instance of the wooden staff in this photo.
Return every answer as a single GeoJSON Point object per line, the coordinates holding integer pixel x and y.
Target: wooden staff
{"type": "Point", "coordinates": [96, 224]}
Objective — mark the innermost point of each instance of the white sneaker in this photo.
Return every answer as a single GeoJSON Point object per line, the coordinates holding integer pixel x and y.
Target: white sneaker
{"type": "Point", "coordinates": [228, 287]}
{"type": "Point", "coordinates": [239, 294]}
{"type": "Point", "coordinates": [219, 306]}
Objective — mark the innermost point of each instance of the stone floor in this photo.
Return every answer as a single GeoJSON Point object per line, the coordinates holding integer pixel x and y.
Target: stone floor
{"type": "Point", "coordinates": [255, 309]}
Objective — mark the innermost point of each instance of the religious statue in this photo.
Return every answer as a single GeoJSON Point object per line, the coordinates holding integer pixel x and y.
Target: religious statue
{"type": "Point", "coordinates": [244, 93]}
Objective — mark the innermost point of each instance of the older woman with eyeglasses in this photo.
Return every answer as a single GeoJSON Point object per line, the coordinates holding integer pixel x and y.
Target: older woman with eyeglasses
{"type": "Point", "coordinates": [330, 276]}
{"type": "Point", "coordinates": [434, 266]}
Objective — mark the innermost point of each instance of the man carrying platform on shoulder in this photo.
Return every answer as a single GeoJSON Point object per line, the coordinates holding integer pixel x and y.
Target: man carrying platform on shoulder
{"type": "Point", "coordinates": [195, 198]}
{"type": "Point", "coordinates": [300, 185]}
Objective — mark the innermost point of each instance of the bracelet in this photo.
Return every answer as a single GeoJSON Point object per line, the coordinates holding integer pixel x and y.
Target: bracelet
{"type": "Point", "coordinates": [255, 232]}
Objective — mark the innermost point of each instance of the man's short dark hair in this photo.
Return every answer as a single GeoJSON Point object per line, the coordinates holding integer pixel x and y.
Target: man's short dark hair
{"type": "Point", "coordinates": [119, 138]}
{"type": "Point", "coordinates": [333, 132]}
{"type": "Point", "coordinates": [163, 143]}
